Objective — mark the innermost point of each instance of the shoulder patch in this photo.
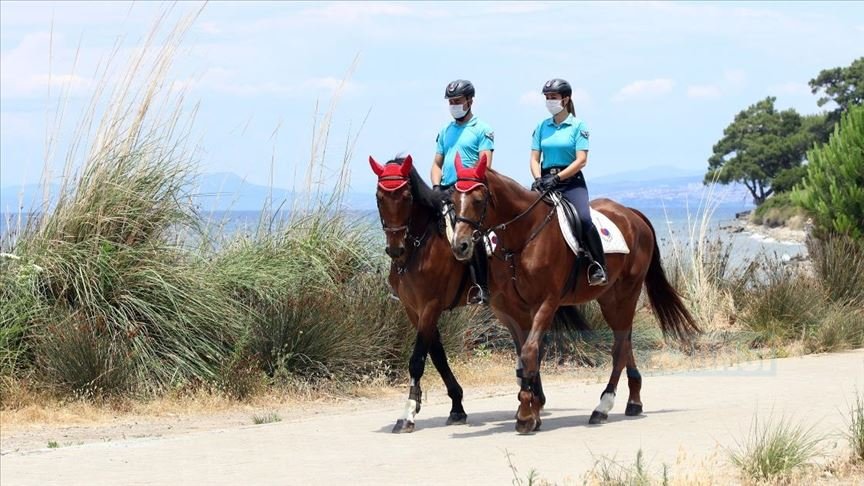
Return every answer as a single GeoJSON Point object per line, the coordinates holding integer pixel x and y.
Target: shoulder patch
{"type": "Point", "coordinates": [490, 135]}
{"type": "Point", "coordinates": [584, 133]}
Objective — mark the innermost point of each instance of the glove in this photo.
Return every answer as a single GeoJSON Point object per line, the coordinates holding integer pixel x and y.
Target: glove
{"type": "Point", "coordinates": [438, 192]}
{"type": "Point", "coordinates": [546, 183]}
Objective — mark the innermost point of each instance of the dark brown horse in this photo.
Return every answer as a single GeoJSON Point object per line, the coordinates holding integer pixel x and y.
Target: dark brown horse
{"type": "Point", "coordinates": [534, 272]}
{"type": "Point", "coordinates": [426, 278]}
{"type": "Point", "coordinates": [423, 274]}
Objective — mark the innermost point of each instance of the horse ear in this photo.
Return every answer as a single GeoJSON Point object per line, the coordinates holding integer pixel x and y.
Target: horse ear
{"type": "Point", "coordinates": [406, 166]}
{"type": "Point", "coordinates": [458, 163]}
{"type": "Point", "coordinates": [481, 166]}
{"type": "Point", "coordinates": [377, 168]}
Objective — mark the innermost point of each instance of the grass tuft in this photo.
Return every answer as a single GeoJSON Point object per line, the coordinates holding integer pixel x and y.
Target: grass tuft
{"type": "Point", "coordinates": [266, 418]}
{"type": "Point", "coordinates": [775, 449]}
{"type": "Point", "coordinates": [856, 428]}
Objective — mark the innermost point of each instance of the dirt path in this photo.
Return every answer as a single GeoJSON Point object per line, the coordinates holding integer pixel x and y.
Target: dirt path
{"type": "Point", "coordinates": [686, 414]}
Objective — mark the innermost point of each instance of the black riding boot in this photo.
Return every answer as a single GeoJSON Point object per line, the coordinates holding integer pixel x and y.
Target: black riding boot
{"type": "Point", "coordinates": [597, 269]}
{"type": "Point", "coordinates": [479, 293]}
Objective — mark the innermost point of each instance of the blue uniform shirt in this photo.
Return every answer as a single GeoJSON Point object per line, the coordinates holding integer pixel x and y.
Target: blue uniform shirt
{"type": "Point", "coordinates": [558, 144]}
{"type": "Point", "coordinates": [469, 140]}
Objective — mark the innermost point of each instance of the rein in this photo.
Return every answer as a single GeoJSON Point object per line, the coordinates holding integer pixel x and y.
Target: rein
{"type": "Point", "coordinates": [508, 256]}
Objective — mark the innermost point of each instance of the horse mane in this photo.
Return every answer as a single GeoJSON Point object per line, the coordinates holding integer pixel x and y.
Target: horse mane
{"type": "Point", "coordinates": [420, 191]}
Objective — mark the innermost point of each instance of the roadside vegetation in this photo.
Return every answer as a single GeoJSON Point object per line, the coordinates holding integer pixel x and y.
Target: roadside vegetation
{"type": "Point", "coordinates": [117, 289]}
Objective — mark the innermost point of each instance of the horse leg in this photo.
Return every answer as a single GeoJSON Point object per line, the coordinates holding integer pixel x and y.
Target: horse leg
{"type": "Point", "coordinates": [454, 391]}
{"type": "Point", "coordinates": [619, 315]}
{"type": "Point", "coordinates": [538, 385]}
{"type": "Point", "coordinates": [528, 414]}
{"type": "Point", "coordinates": [416, 365]}
{"type": "Point", "coordinates": [634, 382]}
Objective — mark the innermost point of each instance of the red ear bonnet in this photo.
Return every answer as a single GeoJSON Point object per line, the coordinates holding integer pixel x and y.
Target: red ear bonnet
{"type": "Point", "coordinates": [468, 178]}
{"type": "Point", "coordinates": [391, 176]}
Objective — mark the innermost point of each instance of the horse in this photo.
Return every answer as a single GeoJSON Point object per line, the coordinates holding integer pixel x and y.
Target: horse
{"type": "Point", "coordinates": [423, 274]}
{"type": "Point", "coordinates": [533, 272]}
{"type": "Point", "coordinates": [426, 278]}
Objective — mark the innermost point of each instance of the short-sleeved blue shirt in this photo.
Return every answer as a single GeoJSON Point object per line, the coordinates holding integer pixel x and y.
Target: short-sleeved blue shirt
{"type": "Point", "coordinates": [469, 140]}
{"type": "Point", "coordinates": [558, 144]}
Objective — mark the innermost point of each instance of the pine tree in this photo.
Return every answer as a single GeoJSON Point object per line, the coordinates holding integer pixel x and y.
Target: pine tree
{"type": "Point", "coordinates": [833, 188]}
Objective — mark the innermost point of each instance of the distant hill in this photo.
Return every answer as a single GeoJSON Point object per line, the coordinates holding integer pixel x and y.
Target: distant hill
{"type": "Point", "coordinates": [227, 191]}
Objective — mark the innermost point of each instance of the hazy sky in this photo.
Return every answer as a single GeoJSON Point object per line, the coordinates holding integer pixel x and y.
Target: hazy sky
{"type": "Point", "coordinates": [656, 82]}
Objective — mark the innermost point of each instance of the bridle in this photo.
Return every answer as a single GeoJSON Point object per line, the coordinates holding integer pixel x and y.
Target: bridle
{"type": "Point", "coordinates": [408, 239]}
{"type": "Point", "coordinates": [479, 232]}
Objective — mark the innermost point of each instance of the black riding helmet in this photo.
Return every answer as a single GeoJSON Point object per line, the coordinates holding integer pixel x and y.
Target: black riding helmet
{"type": "Point", "coordinates": [460, 87]}
{"type": "Point", "coordinates": [559, 86]}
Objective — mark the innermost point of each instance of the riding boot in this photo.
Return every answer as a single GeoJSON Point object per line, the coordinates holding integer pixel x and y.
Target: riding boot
{"type": "Point", "coordinates": [597, 269]}
{"type": "Point", "coordinates": [479, 293]}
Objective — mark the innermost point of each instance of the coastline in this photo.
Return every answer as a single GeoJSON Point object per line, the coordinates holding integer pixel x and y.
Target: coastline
{"type": "Point", "coordinates": [779, 234]}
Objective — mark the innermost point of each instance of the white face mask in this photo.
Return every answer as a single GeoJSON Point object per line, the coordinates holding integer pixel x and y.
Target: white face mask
{"type": "Point", "coordinates": [458, 111]}
{"type": "Point", "coordinates": [554, 106]}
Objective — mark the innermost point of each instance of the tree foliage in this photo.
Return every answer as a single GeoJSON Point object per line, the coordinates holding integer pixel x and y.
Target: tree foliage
{"type": "Point", "coordinates": [760, 145]}
{"type": "Point", "coordinates": [842, 85]}
{"type": "Point", "coordinates": [833, 188]}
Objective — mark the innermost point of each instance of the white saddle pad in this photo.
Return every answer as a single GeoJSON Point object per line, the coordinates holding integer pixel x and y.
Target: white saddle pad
{"type": "Point", "coordinates": [610, 235]}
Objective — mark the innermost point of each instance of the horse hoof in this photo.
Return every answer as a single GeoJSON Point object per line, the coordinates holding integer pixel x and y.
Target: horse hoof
{"type": "Point", "coordinates": [598, 418]}
{"type": "Point", "coordinates": [457, 418]}
{"type": "Point", "coordinates": [633, 409]}
{"type": "Point", "coordinates": [526, 426]}
{"type": "Point", "coordinates": [403, 427]}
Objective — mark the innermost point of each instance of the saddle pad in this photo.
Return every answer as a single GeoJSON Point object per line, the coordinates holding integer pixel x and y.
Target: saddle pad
{"type": "Point", "coordinates": [610, 235]}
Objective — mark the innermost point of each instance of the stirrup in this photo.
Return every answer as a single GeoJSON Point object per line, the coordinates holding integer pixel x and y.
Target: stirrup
{"type": "Point", "coordinates": [594, 281]}
{"type": "Point", "coordinates": [481, 296]}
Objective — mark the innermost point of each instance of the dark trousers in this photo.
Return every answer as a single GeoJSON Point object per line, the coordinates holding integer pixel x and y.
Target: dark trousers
{"type": "Point", "coordinates": [574, 190]}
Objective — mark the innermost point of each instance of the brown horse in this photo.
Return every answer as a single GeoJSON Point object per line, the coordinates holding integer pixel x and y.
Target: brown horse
{"type": "Point", "coordinates": [534, 271]}
{"type": "Point", "coordinates": [427, 279]}
{"type": "Point", "coordinates": [423, 274]}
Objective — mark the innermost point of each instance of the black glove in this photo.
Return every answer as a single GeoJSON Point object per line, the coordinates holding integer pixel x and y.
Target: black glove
{"type": "Point", "coordinates": [545, 183]}
{"type": "Point", "coordinates": [439, 192]}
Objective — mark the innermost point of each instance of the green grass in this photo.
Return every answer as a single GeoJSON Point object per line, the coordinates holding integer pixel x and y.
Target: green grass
{"type": "Point", "coordinates": [775, 449]}
{"type": "Point", "coordinates": [856, 428]}
{"type": "Point", "coordinates": [778, 210]}
{"type": "Point", "coordinates": [266, 418]}
{"type": "Point", "coordinates": [53, 444]}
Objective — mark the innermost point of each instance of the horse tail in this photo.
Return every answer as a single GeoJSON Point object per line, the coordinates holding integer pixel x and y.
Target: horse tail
{"type": "Point", "coordinates": [569, 321]}
{"type": "Point", "coordinates": [675, 319]}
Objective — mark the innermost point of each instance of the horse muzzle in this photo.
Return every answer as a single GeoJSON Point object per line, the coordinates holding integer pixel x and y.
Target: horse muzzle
{"type": "Point", "coordinates": [463, 248]}
{"type": "Point", "coordinates": [395, 251]}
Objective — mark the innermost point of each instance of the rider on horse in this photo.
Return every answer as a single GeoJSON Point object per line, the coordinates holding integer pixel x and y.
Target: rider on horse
{"type": "Point", "coordinates": [559, 152]}
{"type": "Point", "coordinates": [471, 138]}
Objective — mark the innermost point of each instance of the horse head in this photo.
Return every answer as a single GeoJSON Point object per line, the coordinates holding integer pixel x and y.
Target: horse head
{"type": "Point", "coordinates": [394, 203]}
{"type": "Point", "coordinates": [470, 201]}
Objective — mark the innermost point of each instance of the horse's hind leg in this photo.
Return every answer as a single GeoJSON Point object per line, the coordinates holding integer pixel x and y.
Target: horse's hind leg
{"type": "Point", "coordinates": [619, 315]}
{"type": "Point", "coordinates": [416, 366]}
{"type": "Point", "coordinates": [634, 382]}
{"type": "Point", "coordinates": [454, 391]}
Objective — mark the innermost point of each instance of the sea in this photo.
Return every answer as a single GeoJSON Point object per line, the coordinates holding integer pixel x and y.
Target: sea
{"type": "Point", "coordinates": [679, 227]}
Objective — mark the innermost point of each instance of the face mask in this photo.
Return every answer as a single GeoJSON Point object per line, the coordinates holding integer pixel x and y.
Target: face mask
{"type": "Point", "coordinates": [458, 111]}
{"type": "Point", "coordinates": [554, 106]}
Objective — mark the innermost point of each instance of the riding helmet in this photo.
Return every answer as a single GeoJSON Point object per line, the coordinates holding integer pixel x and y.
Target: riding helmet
{"type": "Point", "coordinates": [460, 87]}
{"type": "Point", "coordinates": [557, 85]}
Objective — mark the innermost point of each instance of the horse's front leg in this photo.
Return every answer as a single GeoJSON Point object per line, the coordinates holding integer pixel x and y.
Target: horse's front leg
{"type": "Point", "coordinates": [530, 391]}
{"type": "Point", "coordinates": [416, 366]}
{"type": "Point", "coordinates": [454, 390]}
